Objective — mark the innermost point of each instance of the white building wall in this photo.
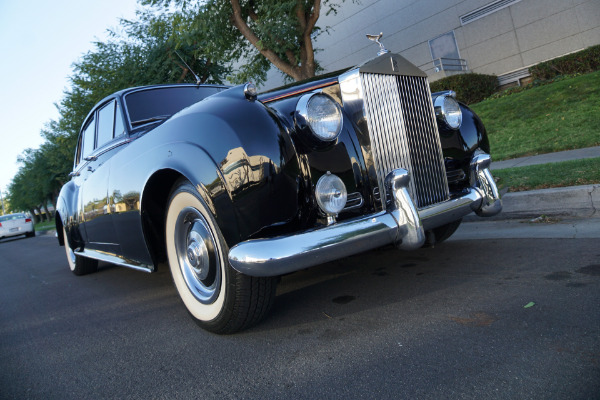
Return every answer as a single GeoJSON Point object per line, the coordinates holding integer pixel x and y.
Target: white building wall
{"type": "Point", "coordinates": [512, 38]}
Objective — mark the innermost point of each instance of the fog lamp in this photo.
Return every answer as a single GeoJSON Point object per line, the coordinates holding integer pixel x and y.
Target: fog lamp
{"type": "Point", "coordinates": [331, 194]}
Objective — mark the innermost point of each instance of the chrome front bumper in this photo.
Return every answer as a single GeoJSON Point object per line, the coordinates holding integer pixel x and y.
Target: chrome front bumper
{"type": "Point", "coordinates": [402, 224]}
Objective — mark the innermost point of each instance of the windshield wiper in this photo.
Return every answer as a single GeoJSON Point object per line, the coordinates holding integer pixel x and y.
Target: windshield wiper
{"type": "Point", "coordinates": [148, 120]}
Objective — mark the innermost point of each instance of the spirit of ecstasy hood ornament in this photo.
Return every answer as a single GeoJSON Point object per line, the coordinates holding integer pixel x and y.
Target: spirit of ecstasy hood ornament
{"type": "Point", "coordinates": [375, 38]}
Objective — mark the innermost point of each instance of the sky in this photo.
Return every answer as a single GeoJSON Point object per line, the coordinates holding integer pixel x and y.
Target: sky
{"type": "Point", "coordinates": [39, 41]}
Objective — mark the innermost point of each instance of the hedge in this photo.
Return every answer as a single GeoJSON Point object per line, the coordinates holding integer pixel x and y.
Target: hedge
{"type": "Point", "coordinates": [470, 88]}
{"type": "Point", "coordinates": [582, 62]}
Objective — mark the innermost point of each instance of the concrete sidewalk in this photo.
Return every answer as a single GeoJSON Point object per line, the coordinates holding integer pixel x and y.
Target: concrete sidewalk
{"type": "Point", "coordinates": [588, 152]}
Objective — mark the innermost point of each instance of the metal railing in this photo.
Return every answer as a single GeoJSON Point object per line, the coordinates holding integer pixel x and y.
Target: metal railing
{"type": "Point", "coordinates": [445, 64]}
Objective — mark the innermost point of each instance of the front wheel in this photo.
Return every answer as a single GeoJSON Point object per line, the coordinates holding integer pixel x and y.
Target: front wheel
{"type": "Point", "coordinates": [79, 265]}
{"type": "Point", "coordinates": [219, 298]}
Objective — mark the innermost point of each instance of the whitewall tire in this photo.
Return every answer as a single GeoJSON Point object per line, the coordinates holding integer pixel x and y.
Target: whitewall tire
{"type": "Point", "coordinates": [219, 298]}
{"type": "Point", "coordinates": [77, 264]}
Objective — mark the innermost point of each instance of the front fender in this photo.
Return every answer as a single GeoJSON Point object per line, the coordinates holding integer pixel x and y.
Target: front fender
{"type": "Point", "coordinates": [459, 145]}
{"type": "Point", "coordinates": [236, 152]}
{"type": "Point", "coordinates": [66, 209]}
{"type": "Point", "coordinates": [253, 151]}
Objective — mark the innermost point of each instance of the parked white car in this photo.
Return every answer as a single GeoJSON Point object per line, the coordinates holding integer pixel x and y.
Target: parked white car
{"type": "Point", "coordinates": [15, 225]}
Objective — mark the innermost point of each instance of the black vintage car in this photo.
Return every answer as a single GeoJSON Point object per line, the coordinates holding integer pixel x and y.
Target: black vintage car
{"type": "Point", "coordinates": [234, 189]}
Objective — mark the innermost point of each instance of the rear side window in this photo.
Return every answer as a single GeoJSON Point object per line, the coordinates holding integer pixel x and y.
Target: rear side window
{"type": "Point", "coordinates": [88, 138]}
{"type": "Point", "coordinates": [119, 127]}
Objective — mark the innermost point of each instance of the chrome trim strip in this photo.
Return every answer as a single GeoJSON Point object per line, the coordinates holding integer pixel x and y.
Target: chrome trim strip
{"type": "Point", "coordinates": [115, 259]}
{"type": "Point", "coordinates": [353, 198]}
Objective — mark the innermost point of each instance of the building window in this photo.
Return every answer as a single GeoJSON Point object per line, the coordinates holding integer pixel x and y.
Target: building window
{"type": "Point", "coordinates": [444, 53]}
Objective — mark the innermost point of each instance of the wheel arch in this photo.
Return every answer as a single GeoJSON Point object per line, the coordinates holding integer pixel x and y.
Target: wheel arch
{"type": "Point", "coordinates": [59, 228]}
{"type": "Point", "coordinates": [155, 199]}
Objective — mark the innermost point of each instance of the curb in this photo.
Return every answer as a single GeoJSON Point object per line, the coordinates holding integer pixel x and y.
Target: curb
{"type": "Point", "coordinates": [575, 201]}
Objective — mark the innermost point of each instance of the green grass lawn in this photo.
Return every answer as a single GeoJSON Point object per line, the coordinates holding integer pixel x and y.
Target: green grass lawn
{"type": "Point", "coordinates": [559, 116]}
{"type": "Point", "coordinates": [543, 176]}
{"type": "Point", "coordinates": [45, 225]}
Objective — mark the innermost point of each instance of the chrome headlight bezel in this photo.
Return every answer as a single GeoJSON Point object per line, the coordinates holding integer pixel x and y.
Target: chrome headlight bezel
{"type": "Point", "coordinates": [308, 119]}
{"type": "Point", "coordinates": [448, 110]}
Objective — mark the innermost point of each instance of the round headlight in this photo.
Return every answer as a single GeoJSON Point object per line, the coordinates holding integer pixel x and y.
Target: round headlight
{"type": "Point", "coordinates": [321, 114]}
{"type": "Point", "coordinates": [331, 194]}
{"type": "Point", "coordinates": [449, 111]}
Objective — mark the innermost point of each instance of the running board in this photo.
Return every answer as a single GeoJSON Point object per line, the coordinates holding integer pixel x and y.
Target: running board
{"type": "Point", "coordinates": [115, 259]}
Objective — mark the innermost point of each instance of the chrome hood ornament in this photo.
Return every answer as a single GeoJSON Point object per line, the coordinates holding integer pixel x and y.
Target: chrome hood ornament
{"type": "Point", "coordinates": [375, 38]}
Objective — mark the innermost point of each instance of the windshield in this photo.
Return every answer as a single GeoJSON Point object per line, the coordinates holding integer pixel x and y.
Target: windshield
{"type": "Point", "coordinates": [156, 104]}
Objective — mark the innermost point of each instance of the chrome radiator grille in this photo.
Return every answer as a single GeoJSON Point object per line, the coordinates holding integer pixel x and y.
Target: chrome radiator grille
{"type": "Point", "coordinates": [403, 134]}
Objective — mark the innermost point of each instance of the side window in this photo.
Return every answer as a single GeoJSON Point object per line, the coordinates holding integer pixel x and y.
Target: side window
{"type": "Point", "coordinates": [88, 138]}
{"type": "Point", "coordinates": [119, 127]}
{"type": "Point", "coordinates": [79, 149]}
{"type": "Point", "coordinates": [106, 122]}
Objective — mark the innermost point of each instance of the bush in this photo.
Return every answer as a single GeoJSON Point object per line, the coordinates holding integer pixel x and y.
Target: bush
{"type": "Point", "coordinates": [582, 62]}
{"type": "Point", "coordinates": [470, 88]}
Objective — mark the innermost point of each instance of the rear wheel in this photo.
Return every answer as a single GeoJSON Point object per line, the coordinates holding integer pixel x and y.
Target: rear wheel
{"type": "Point", "coordinates": [79, 265]}
{"type": "Point", "coordinates": [219, 298]}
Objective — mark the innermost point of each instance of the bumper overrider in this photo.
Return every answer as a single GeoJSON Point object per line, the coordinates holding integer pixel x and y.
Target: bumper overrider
{"type": "Point", "coordinates": [402, 224]}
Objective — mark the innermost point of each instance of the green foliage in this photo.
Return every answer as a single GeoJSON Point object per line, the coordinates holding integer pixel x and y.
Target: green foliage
{"type": "Point", "coordinates": [544, 119]}
{"type": "Point", "coordinates": [144, 55]}
{"type": "Point", "coordinates": [470, 88]}
{"type": "Point", "coordinates": [262, 34]}
{"type": "Point", "coordinates": [45, 226]}
{"type": "Point", "coordinates": [566, 173]}
{"type": "Point", "coordinates": [581, 62]}
{"type": "Point", "coordinates": [535, 83]}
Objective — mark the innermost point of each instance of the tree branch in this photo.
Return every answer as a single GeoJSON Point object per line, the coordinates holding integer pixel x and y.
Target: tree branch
{"type": "Point", "coordinates": [308, 52]}
{"type": "Point", "coordinates": [246, 31]}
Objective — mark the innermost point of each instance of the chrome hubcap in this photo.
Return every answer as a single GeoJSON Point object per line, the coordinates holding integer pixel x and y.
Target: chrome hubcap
{"type": "Point", "coordinates": [197, 254]}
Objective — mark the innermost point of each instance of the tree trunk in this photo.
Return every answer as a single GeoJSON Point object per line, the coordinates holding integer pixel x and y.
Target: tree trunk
{"type": "Point", "coordinates": [54, 199]}
{"type": "Point", "coordinates": [35, 216]}
{"type": "Point", "coordinates": [47, 214]}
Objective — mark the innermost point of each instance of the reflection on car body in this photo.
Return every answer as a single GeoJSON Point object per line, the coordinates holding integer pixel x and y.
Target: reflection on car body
{"type": "Point", "coordinates": [233, 190]}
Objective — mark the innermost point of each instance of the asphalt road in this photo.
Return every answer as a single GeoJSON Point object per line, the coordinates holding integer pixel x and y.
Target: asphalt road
{"type": "Point", "coordinates": [444, 323]}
